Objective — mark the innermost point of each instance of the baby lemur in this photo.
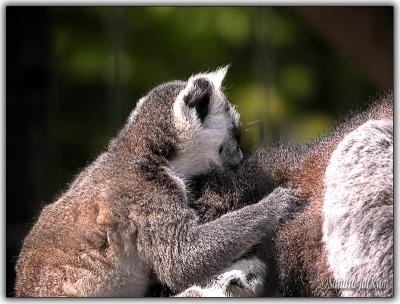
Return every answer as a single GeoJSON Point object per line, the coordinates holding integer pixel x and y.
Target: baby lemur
{"type": "Point", "coordinates": [127, 214]}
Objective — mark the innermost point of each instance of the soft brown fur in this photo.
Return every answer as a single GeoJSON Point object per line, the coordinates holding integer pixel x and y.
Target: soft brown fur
{"type": "Point", "coordinates": [301, 258]}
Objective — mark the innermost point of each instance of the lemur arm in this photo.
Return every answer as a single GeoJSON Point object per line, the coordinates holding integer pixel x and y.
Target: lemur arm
{"type": "Point", "coordinates": [184, 252]}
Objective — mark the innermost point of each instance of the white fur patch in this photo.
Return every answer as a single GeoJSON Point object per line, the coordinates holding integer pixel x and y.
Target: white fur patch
{"type": "Point", "coordinates": [234, 281]}
{"type": "Point", "coordinates": [240, 271]}
{"type": "Point", "coordinates": [358, 207]}
{"type": "Point", "coordinates": [216, 77]}
{"type": "Point", "coordinates": [197, 291]}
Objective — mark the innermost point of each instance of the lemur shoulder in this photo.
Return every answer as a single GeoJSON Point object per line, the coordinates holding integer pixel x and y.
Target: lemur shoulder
{"type": "Point", "coordinates": [126, 215]}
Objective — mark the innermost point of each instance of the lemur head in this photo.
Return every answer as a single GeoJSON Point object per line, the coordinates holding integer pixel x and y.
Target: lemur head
{"type": "Point", "coordinates": [207, 126]}
{"type": "Point", "coordinates": [191, 123]}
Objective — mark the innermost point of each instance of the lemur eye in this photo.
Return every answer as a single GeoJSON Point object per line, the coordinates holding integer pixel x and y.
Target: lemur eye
{"type": "Point", "coordinates": [220, 149]}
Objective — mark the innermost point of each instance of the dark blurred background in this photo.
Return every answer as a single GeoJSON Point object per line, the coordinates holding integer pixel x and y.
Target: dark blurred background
{"type": "Point", "coordinates": [73, 74]}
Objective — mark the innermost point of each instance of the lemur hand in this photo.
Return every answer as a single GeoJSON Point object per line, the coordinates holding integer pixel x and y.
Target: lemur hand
{"type": "Point", "coordinates": [284, 204]}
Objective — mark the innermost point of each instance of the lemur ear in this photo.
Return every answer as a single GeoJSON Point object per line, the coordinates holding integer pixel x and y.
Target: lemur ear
{"type": "Point", "coordinates": [199, 97]}
{"type": "Point", "coordinates": [217, 77]}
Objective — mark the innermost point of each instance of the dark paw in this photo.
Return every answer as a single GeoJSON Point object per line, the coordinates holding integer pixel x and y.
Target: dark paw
{"type": "Point", "coordinates": [286, 203]}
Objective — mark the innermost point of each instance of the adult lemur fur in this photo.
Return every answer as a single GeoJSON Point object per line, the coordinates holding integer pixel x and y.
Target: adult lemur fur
{"type": "Point", "coordinates": [127, 215]}
{"type": "Point", "coordinates": [341, 244]}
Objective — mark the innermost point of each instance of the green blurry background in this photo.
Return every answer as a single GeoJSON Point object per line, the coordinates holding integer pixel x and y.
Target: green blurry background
{"type": "Point", "coordinates": [75, 73]}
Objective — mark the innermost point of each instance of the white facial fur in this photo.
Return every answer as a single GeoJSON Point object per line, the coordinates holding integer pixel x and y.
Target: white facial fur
{"type": "Point", "coordinates": [200, 141]}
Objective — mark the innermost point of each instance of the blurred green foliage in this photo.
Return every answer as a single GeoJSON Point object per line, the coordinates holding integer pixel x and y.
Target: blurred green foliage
{"type": "Point", "coordinates": [285, 80]}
